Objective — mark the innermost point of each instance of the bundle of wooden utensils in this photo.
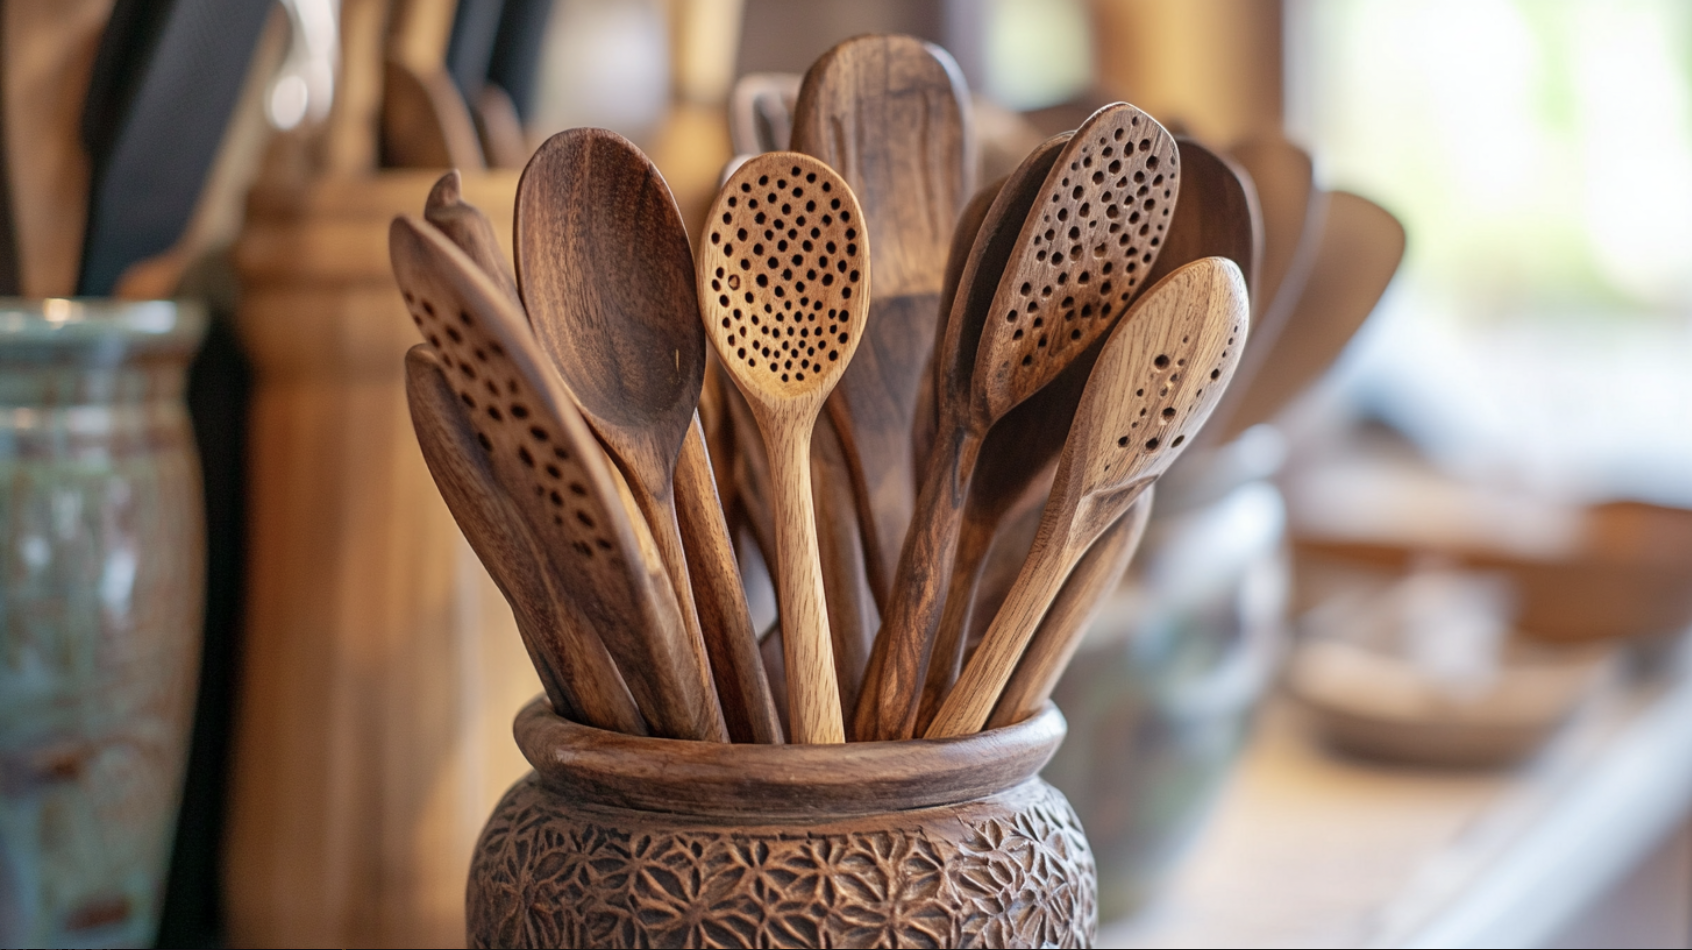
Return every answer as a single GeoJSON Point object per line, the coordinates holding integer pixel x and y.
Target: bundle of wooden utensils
{"type": "Point", "coordinates": [907, 366]}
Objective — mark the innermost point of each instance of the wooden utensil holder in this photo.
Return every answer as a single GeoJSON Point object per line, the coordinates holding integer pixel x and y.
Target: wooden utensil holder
{"type": "Point", "coordinates": [381, 665]}
{"type": "Point", "coordinates": [623, 841]}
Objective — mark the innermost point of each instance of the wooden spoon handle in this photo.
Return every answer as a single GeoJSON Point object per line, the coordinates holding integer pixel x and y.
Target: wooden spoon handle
{"type": "Point", "coordinates": [1066, 622]}
{"type": "Point", "coordinates": [742, 686]}
{"type": "Point", "coordinates": [813, 691]}
{"type": "Point", "coordinates": [945, 658]}
{"type": "Point", "coordinates": [851, 604]}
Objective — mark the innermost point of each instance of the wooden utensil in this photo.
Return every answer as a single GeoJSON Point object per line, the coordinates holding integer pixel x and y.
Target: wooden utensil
{"type": "Point", "coordinates": [891, 114]}
{"type": "Point", "coordinates": [1155, 384]}
{"type": "Point", "coordinates": [784, 282]}
{"type": "Point", "coordinates": [580, 677]}
{"type": "Point", "coordinates": [466, 226]}
{"type": "Point", "coordinates": [1360, 247]}
{"type": "Point", "coordinates": [852, 617]}
{"type": "Point", "coordinates": [604, 267]}
{"type": "Point", "coordinates": [1293, 209]}
{"type": "Point", "coordinates": [743, 685]}
{"type": "Point", "coordinates": [49, 58]}
{"type": "Point", "coordinates": [165, 81]}
{"type": "Point", "coordinates": [1066, 621]}
{"type": "Point", "coordinates": [544, 456]}
{"type": "Point", "coordinates": [425, 122]}
{"type": "Point", "coordinates": [1080, 253]}
{"type": "Point", "coordinates": [1218, 216]}
{"type": "Point", "coordinates": [761, 112]}
{"type": "Point", "coordinates": [997, 224]}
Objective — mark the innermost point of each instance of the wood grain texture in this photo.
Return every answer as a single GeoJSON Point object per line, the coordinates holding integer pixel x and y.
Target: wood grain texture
{"type": "Point", "coordinates": [552, 469]}
{"type": "Point", "coordinates": [785, 309]}
{"type": "Point", "coordinates": [887, 708]}
{"type": "Point", "coordinates": [425, 122]}
{"type": "Point", "coordinates": [605, 270]}
{"type": "Point", "coordinates": [579, 675]}
{"type": "Point", "coordinates": [1294, 208]}
{"type": "Point", "coordinates": [1360, 247]}
{"type": "Point", "coordinates": [1218, 216]}
{"type": "Point", "coordinates": [1081, 253]}
{"type": "Point", "coordinates": [742, 685]}
{"type": "Point", "coordinates": [1155, 384]}
{"type": "Point", "coordinates": [891, 114]}
{"type": "Point", "coordinates": [877, 845]}
{"type": "Point", "coordinates": [466, 226]}
{"type": "Point", "coordinates": [49, 58]}
{"type": "Point", "coordinates": [852, 617]}
{"type": "Point", "coordinates": [1065, 624]}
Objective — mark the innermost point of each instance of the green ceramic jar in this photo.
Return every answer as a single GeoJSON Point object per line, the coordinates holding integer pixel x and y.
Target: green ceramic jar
{"type": "Point", "coordinates": [102, 567]}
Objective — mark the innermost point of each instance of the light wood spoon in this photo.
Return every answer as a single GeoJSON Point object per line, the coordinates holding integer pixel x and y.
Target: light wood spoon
{"type": "Point", "coordinates": [1072, 612]}
{"type": "Point", "coordinates": [605, 269]}
{"type": "Point", "coordinates": [579, 675]}
{"type": "Point", "coordinates": [545, 458]}
{"type": "Point", "coordinates": [1154, 385]}
{"type": "Point", "coordinates": [1092, 234]}
{"type": "Point", "coordinates": [1360, 248]}
{"type": "Point", "coordinates": [784, 286]}
{"type": "Point", "coordinates": [891, 114]}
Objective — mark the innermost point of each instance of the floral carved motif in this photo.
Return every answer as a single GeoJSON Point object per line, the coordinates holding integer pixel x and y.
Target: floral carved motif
{"type": "Point", "coordinates": [1012, 870]}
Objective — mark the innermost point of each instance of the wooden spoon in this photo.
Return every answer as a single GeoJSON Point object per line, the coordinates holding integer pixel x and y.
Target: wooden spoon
{"type": "Point", "coordinates": [555, 475]}
{"type": "Point", "coordinates": [1155, 384]}
{"type": "Point", "coordinates": [784, 282]}
{"type": "Point", "coordinates": [1360, 248]}
{"type": "Point", "coordinates": [580, 677]}
{"type": "Point", "coordinates": [1218, 217]}
{"type": "Point", "coordinates": [604, 266]}
{"type": "Point", "coordinates": [1080, 254]}
{"type": "Point", "coordinates": [425, 121]}
{"type": "Point", "coordinates": [891, 114]}
{"type": "Point", "coordinates": [1293, 209]}
{"type": "Point", "coordinates": [466, 226]}
{"type": "Point", "coordinates": [1072, 612]}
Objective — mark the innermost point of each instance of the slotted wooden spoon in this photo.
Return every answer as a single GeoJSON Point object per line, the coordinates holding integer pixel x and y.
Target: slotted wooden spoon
{"type": "Point", "coordinates": [580, 677]}
{"type": "Point", "coordinates": [605, 269]}
{"type": "Point", "coordinates": [891, 114]}
{"type": "Point", "coordinates": [1093, 232]}
{"type": "Point", "coordinates": [784, 287]}
{"type": "Point", "coordinates": [1155, 384]}
{"type": "Point", "coordinates": [546, 460]}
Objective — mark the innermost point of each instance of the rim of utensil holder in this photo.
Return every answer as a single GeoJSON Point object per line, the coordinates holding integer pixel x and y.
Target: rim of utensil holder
{"type": "Point", "coordinates": [750, 781]}
{"type": "Point", "coordinates": [117, 329]}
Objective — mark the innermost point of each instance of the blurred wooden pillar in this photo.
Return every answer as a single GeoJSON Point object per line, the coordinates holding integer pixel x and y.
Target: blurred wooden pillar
{"type": "Point", "coordinates": [1212, 66]}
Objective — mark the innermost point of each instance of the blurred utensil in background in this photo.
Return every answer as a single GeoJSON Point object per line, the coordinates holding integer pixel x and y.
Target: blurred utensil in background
{"type": "Point", "coordinates": [48, 61]}
{"type": "Point", "coordinates": [164, 83]}
{"type": "Point", "coordinates": [761, 112]}
{"type": "Point", "coordinates": [425, 123]}
{"type": "Point", "coordinates": [1155, 384]}
{"type": "Point", "coordinates": [9, 280]}
{"type": "Point", "coordinates": [514, 65]}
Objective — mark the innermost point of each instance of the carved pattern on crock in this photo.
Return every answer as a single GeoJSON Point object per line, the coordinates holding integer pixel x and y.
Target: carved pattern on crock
{"type": "Point", "coordinates": [1013, 870]}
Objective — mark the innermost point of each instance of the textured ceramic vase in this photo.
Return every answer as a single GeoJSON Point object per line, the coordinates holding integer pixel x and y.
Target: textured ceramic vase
{"type": "Point", "coordinates": [619, 841]}
{"type": "Point", "coordinates": [101, 575]}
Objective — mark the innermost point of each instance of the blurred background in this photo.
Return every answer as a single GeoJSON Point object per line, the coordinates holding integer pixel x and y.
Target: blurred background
{"type": "Point", "coordinates": [1400, 664]}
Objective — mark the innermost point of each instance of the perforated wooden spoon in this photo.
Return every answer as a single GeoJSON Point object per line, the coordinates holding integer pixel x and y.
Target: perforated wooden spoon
{"type": "Point", "coordinates": [1093, 233]}
{"type": "Point", "coordinates": [579, 675]}
{"type": "Point", "coordinates": [1065, 623]}
{"type": "Point", "coordinates": [544, 457]}
{"type": "Point", "coordinates": [784, 289]}
{"type": "Point", "coordinates": [1155, 384]}
{"type": "Point", "coordinates": [604, 267]}
{"type": "Point", "coordinates": [891, 114]}
{"type": "Point", "coordinates": [466, 226]}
